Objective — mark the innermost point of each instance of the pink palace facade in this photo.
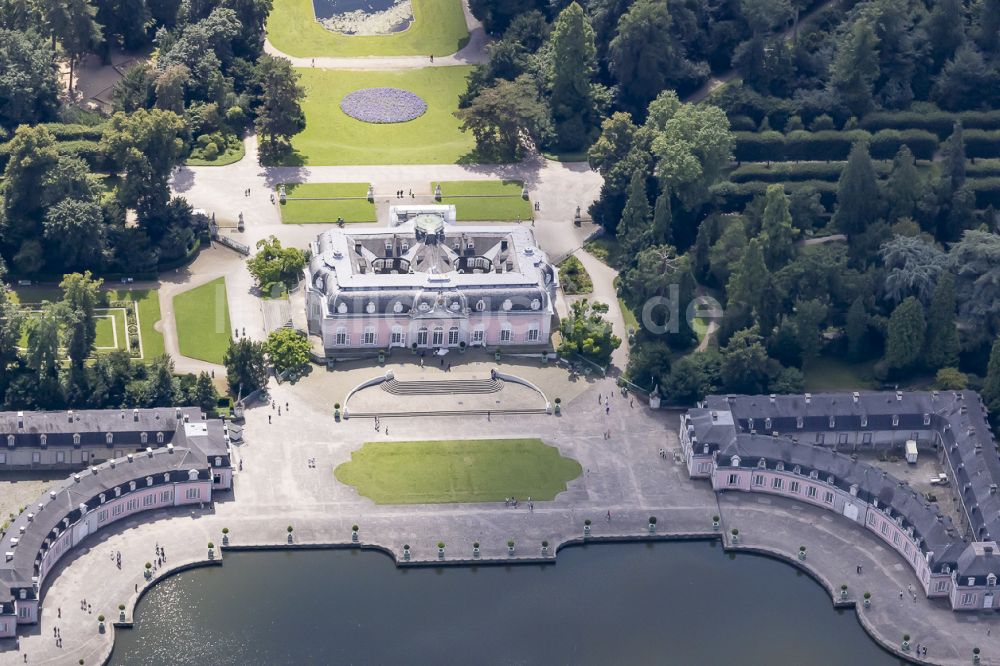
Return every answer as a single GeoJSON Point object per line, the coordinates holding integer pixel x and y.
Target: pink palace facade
{"type": "Point", "coordinates": [800, 447]}
{"type": "Point", "coordinates": [426, 283]}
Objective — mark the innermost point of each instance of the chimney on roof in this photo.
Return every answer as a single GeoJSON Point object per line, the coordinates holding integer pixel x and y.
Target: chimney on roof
{"type": "Point", "coordinates": [773, 396]}
{"type": "Point", "coordinates": [857, 396]}
{"type": "Point", "coordinates": [186, 418]}
{"type": "Point", "coordinates": [52, 494]}
{"type": "Point", "coordinates": [177, 412]}
{"type": "Point", "coordinates": [357, 247]}
{"type": "Point", "coordinates": [69, 416]}
{"type": "Point", "coordinates": [715, 416]}
{"type": "Point", "coordinates": [149, 451]}
{"type": "Point", "coordinates": [170, 448]}
{"type": "Point", "coordinates": [503, 245]}
{"type": "Point", "coordinates": [988, 550]}
{"type": "Point", "coordinates": [993, 489]}
{"type": "Point", "coordinates": [130, 457]}
{"type": "Point", "coordinates": [76, 477]}
{"type": "Point", "coordinates": [135, 415]}
{"type": "Point", "coordinates": [899, 396]}
{"type": "Point", "coordinates": [20, 420]}
{"type": "Point", "coordinates": [808, 398]}
{"type": "Point", "coordinates": [8, 556]}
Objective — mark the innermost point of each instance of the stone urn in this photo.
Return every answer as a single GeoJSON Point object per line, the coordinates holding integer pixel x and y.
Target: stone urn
{"type": "Point", "coordinates": [437, 191]}
{"type": "Point", "coordinates": [148, 573]}
{"type": "Point", "coordinates": [336, 411]}
{"type": "Point", "coordinates": [868, 600]}
{"type": "Point", "coordinates": [406, 552]}
{"type": "Point", "coordinates": [652, 524]}
{"type": "Point", "coordinates": [975, 655]}
{"type": "Point", "coordinates": [291, 539]}
{"type": "Point", "coordinates": [802, 553]}
{"type": "Point", "coordinates": [225, 536]}
{"type": "Point", "coordinates": [211, 550]}
{"type": "Point", "coordinates": [558, 403]}
{"type": "Point", "coordinates": [354, 533]}
{"type": "Point", "coordinates": [510, 547]}
{"type": "Point", "coordinates": [282, 197]}
{"type": "Point", "coordinates": [475, 550]}
{"type": "Point", "coordinates": [906, 643]}
{"type": "Point", "coordinates": [545, 549]}
{"type": "Point", "coordinates": [586, 528]}
{"type": "Point", "coordinates": [100, 623]}
{"type": "Point", "coordinates": [843, 592]}
{"type": "Point", "coordinates": [715, 522]}
{"type": "Point", "coordinates": [121, 612]}
{"type": "Point", "coordinates": [440, 550]}
{"type": "Point", "coordinates": [736, 535]}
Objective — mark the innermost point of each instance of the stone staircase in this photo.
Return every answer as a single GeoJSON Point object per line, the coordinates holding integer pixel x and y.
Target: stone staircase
{"type": "Point", "coordinates": [442, 386]}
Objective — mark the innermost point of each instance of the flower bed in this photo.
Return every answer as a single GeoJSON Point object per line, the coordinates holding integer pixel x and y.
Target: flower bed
{"type": "Point", "coordinates": [383, 105]}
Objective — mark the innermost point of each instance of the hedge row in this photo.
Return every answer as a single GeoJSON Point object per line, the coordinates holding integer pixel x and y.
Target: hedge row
{"type": "Point", "coordinates": [982, 168]}
{"type": "Point", "coordinates": [940, 123]}
{"type": "Point", "coordinates": [74, 131]}
{"type": "Point", "coordinates": [982, 143]}
{"type": "Point", "coordinates": [734, 197]}
{"type": "Point", "coordinates": [89, 151]}
{"type": "Point", "coordinates": [987, 191]}
{"type": "Point", "coordinates": [783, 172]}
{"type": "Point", "coordinates": [830, 145]}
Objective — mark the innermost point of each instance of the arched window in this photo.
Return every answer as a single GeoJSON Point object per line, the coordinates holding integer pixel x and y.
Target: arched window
{"type": "Point", "coordinates": [144, 437]}
{"type": "Point", "coordinates": [109, 438]}
{"type": "Point", "coordinates": [43, 440]}
{"type": "Point", "coordinates": [438, 338]}
{"type": "Point", "coordinates": [159, 438]}
{"type": "Point", "coordinates": [422, 337]}
{"type": "Point", "coordinates": [453, 336]}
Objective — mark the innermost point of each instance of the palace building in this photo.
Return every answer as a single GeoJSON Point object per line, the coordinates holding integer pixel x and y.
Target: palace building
{"type": "Point", "coordinates": [805, 447]}
{"type": "Point", "coordinates": [124, 461]}
{"type": "Point", "coordinates": [426, 283]}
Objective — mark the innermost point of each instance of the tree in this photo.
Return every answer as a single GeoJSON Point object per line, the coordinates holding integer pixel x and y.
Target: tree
{"type": "Point", "coordinates": [692, 144]}
{"type": "Point", "coordinates": [203, 393]}
{"type": "Point", "coordinates": [749, 280]}
{"type": "Point", "coordinates": [991, 385]}
{"type": "Point", "coordinates": [572, 68]}
{"type": "Point", "coordinates": [857, 192]}
{"type": "Point", "coordinates": [634, 229]}
{"type": "Point", "coordinates": [725, 254]}
{"type": "Point", "coordinates": [788, 381]}
{"type": "Point", "coordinates": [855, 67]}
{"type": "Point", "coordinates": [507, 119]}
{"type": "Point", "coordinates": [809, 317]}
{"type": "Point", "coordinates": [953, 162]}
{"type": "Point", "coordinates": [144, 147]}
{"type": "Point", "coordinates": [945, 27]}
{"type": "Point", "coordinates": [43, 335]}
{"type": "Point", "coordinates": [75, 229]}
{"type": "Point", "coordinates": [160, 388]}
{"type": "Point", "coordinates": [856, 329]}
{"type": "Point", "coordinates": [904, 187]}
{"type": "Point", "coordinates": [975, 260]}
{"type": "Point", "coordinates": [644, 55]}
{"type": "Point", "coordinates": [942, 335]}
{"type": "Point", "coordinates": [81, 294]}
{"type": "Point", "coordinates": [744, 363]}
{"type": "Point", "coordinates": [287, 349]}
{"type": "Point", "coordinates": [586, 332]}
{"type": "Point", "coordinates": [11, 323]}
{"type": "Point", "coordinates": [75, 26]}
{"type": "Point", "coordinates": [246, 368]}
{"type": "Point", "coordinates": [663, 219]}
{"type": "Point", "coordinates": [776, 228]}
{"type": "Point", "coordinates": [692, 378]}
{"type": "Point", "coordinates": [964, 79]}
{"type": "Point", "coordinates": [649, 364]}
{"type": "Point", "coordinates": [497, 15]}
{"type": "Point", "coordinates": [951, 379]}
{"type": "Point", "coordinates": [29, 90]}
{"type": "Point", "coordinates": [279, 110]}
{"type": "Point", "coordinates": [913, 267]}
{"type": "Point", "coordinates": [904, 343]}
{"type": "Point", "coordinates": [273, 263]}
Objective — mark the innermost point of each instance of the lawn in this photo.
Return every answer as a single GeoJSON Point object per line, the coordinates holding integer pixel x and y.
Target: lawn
{"type": "Point", "coordinates": [331, 137]}
{"type": "Point", "coordinates": [475, 470]}
{"type": "Point", "coordinates": [831, 374]}
{"type": "Point", "coordinates": [486, 200]}
{"type": "Point", "coordinates": [631, 322]}
{"type": "Point", "coordinates": [202, 316]}
{"type": "Point", "coordinates": [148, 301]}
{"type": "Point", "coordinates": [326, 203]}
{"type": "Point", "coordinates": [438, 28]}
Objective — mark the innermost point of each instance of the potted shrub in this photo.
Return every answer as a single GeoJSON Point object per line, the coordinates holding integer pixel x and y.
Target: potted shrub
{"type": "Point", "coordinates": [441, 550]}
{"type": "Point", "coordinates": [868, 599]}
{"type": "Point", "coordinates": [225, 536]}
{"type": "Point", "coordinates": [736, 535]}
{"type": "Point", "coordinates": [211, 550]}
{"type": "Point", "coordinates": [975, 655]}
{"type": "Point", "coordinates": [354, 533]}
{"type": "Point", "coordinates": [586, 527]}
{"type": "Point", "coordinates": [652, 524]}
{"type": "Point", "coordinates": [406, 551]}
{"type": "Point", "coordinates": [100, 623]}
{"type": "Point", "coordinates": [289, 529]}
{"type": "Point", "coordinates": [149, 570]}
{"type": "Point", "coordinates": [461, 346]}
{"type": "Point", "coordinates": [802, 552]}
{"type": "Point", "coordinates": [381, 357]}
{"type": "Point", "coordinates": [843, 591]}
{"type": "Point", "coordinates": [336, 411]}
{"type": "Point", "coordinates": [413, 348]}
{"type": "Point", "coordinates": [475, 549]}
{"type": "Point", "coordinates": [558, 402]}
{"type": "Point", "coordinates": [545, 548]}
{"type": "Point", "coordinates": [906, 643]}
{"type": "Point", "coordinates": [496, 356]}
{"type": "Point", "coordinates": [510, 546]}
{"type": "Point", "coordinates": [121, 612]}
{"type": "Point", "coordinates": [545, 358]}
{"type": "Point", "coordinates": [715, 522]}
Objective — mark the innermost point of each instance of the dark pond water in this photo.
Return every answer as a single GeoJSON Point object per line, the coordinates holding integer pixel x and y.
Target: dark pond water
{"type": "Point", "coordinates": [325, 9]}
{"type": "Point", "coordinates": [666, 603]}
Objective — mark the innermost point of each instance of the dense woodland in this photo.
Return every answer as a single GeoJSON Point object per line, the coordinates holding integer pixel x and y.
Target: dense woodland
{"type": "Point", "coordinates": [88, 192]}
{"type": "Point", "coordinates": [836, 196]}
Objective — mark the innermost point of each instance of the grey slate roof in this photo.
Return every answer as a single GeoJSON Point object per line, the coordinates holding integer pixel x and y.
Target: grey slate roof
{"type": "Point", "coordinates": [724, 424]}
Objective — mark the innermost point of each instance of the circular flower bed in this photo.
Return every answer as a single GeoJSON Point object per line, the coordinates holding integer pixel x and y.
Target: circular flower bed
{"type": "Point", "coordinates": [383, 105]}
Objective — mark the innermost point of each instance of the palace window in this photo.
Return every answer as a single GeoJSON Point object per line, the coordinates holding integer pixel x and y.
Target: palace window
{"type": "Point", "coordinates": [533, 334]}
{"type": "Point", "coordinates": [895, 420]}
{"type": "Point", "coordinates": [453, 336]}
{"type": "Point", "coordinates": [422, 337]}
{"type": "Point", "coordinates": [733, 479]}
{"type": "Point", "coordinates": [109, 438]}
{"type": "Point", "coordinates": [342, 339]}
{"type": "Point", "coordinates": [143, 437]}
{"type": "Point", "coordinates": [991, 580]}
{"type": "Point", "coordinates": [192, 493]}
{"type": "Point", "coordinates": [798, 422]}
{"type": "Point", "coordinates": [3, 458]}
{"type": "Point", "coordinates": [864, 421]}
{"type": "Point", "coordinates": [927, 419]}
{"type": "Point", "coordinates": [159, 438]}
{"type": "Point", "coordinates": [60, 456]}
{"type": "Point", "coordinates": [76, 439]}
{"type": "Point", "coordinates": [478, 335]}
{"type": "Point", "coordinates": [942, 586]}
{"type": "Point", "coordinates": [866, 438]}
{"type": "Point", "coordinates": [820, 438]}
{"type": "Point", "coordinates": [505, 334]}
{"type": "Point", "coordinates": [36, 457]}
{"type": "Point", "coordinates": [165, 496]}
{"type": "Point", "coordinates": [828, 497]}
{"type": "Point", "coordinates": [968, 598]}
{"type": "Point", "coordinates": [885, 529]}
{"type": "Point", "coordinates": [758, 479]}
{"type": "Point", "coordinates": [371, 338]}
{"type": "Point", "coordinates": [776, 483]}
{"type": "Point", "coordinates": [794, 486]}
{"type": "Point", "coordinates": [438, 338]}
{"type": "Point", "coordinates": [767, 423]}
{"type": "Point", "coordinates": [842, 438]}
{"type": "Point", "coordinates": [811, 492]}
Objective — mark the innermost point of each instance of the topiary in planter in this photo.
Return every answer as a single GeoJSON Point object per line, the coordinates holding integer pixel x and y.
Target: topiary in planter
{"type": "Point", "coordinates": [440, 545]}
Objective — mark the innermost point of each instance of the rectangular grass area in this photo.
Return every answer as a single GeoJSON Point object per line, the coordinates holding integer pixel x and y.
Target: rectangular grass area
{"type": "Point", "coordinates": [486, 200]}
{"type": "Point", "coordinates": [202, 318]}
{"type": "Point", "coordinates": [331, 137]}
{"type": "Point", "coordinates": [311, 203]}
{"type": "Point", "coordinates": [466, 470]}
{"type": "Point", "coordinates": [438, 28]}
{"type": "Point", "coordinates": [148, 305]}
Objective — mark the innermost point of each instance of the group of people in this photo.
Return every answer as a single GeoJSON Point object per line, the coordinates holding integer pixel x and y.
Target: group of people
{"type": "Point", "coordinates": [400, 195]}
{"type": "Point", "coordinates": [511, 503]}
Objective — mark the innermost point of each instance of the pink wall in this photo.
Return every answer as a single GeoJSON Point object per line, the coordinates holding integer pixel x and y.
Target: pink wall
{"type": "Point", "coordinates": [492, 325]}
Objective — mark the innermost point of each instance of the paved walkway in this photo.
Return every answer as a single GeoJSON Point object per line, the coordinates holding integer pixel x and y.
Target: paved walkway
{"type": "Point", "coordinates": [473, 53]}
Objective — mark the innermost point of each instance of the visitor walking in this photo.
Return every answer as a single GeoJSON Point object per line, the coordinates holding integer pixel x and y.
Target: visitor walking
{"type": "Point", "coordinates": [607, 410]}
{"type": "Point", "coordinates": [432, 57]}
{"type": "Point", "coordinates": [609, 515]}
{"type": "Point", "coordinates": [268, 419]}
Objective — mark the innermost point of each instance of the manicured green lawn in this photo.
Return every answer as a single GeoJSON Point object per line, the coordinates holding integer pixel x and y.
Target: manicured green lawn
{"type": "Point", "coordinates": [475, 470]}
{"type": "Point", "coordinates": [148, 301]}
{"type": "Point", "coordinates": [438, 28]}
{"type": "Point", "coordinates": [831, 374]}
{"type": "Point", "coordinates": [631, 322]}
{"type": "Point", "coordinates": [330, 207]}
{"type": "Point", "coordinates": [202, 316]}
{"type": "Point", "coordinates": [486, 200]}
{"type": "Point", "coordinates": [332, 137]}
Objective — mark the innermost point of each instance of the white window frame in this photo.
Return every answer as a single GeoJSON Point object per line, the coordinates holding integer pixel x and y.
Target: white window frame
{"type": "Point", "coordinates": [341, 338]}
{"type": "Point", "coordinates": [478, 335]}
{"type": "Point", "coordinates": [506, 334]}
{"type": "Point", "coordinates": [370, 336]}
{"type": "Point", "coordinates": [422, 337]}
{"type": "Point", "coordinates": [533, 334]}
{"type": "Point", "coordinates": [437, 336]}
{"type": "Point", "coordinates": [453, 336]}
